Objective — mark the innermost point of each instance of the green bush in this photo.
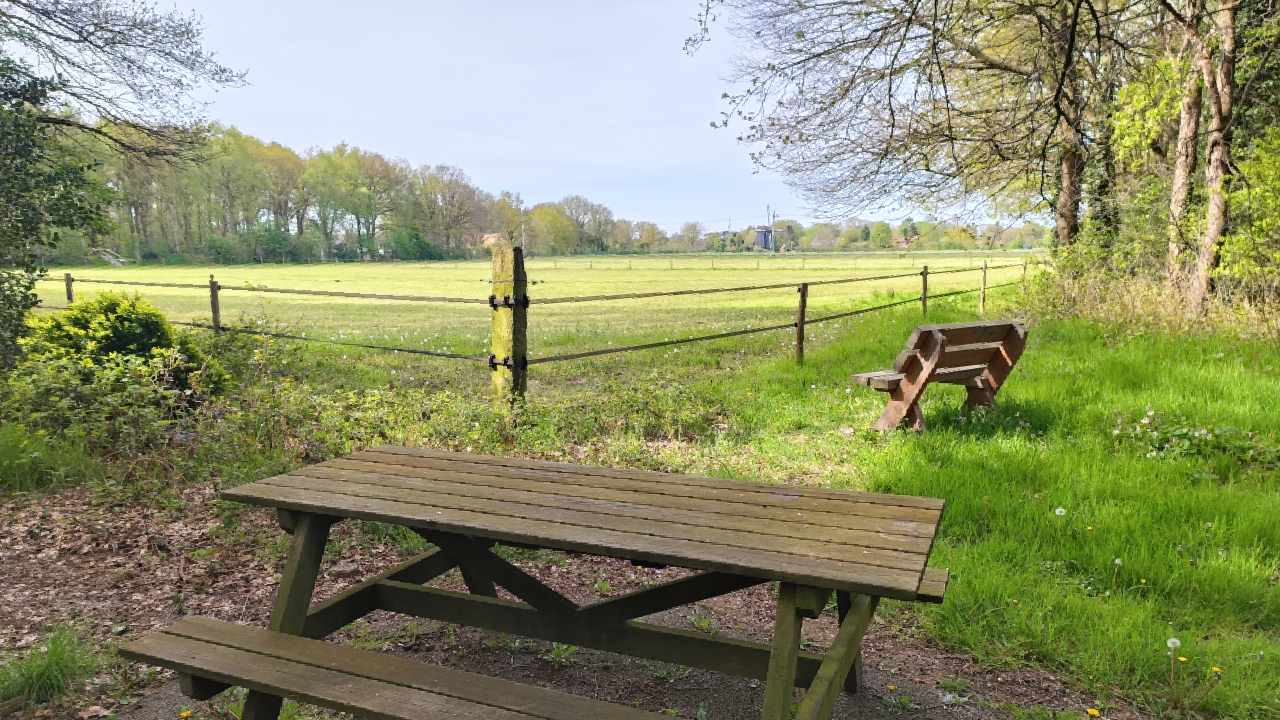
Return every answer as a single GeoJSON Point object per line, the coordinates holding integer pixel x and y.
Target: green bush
{"type": "Point", "coordinates": [46, 672]}
{"type": "Point", "coordinates": [120, 324]}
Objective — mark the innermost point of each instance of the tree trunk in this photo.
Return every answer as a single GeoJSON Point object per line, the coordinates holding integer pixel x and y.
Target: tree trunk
{"type": "Point", "coordinates": [1185, 155]}
{"type": "Point", "coordinates": [1220, 87]}
{"type": "Point", "coordinates": [1068, 210]}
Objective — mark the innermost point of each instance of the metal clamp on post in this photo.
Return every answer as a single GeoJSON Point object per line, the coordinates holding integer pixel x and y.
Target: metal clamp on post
{"type": "Point", "coordinates": [508, 363]}
{"type": "Point", "coordinates": [508, 302]}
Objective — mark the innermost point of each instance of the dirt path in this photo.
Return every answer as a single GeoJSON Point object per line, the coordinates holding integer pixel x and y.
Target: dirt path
{"type": "Point", "coordinates": [120, 572]}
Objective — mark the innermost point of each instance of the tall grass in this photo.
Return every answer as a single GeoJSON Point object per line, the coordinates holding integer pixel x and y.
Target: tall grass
{"type": "Point", "coordinates": [32, 461]}
{"type": "Point", "coordinates": [48, 670]}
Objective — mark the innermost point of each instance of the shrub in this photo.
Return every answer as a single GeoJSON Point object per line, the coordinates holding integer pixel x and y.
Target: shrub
{"type": "Point", "coordinates": [92, 331]}
{"type": "Point", "coordinates": [46, 672]}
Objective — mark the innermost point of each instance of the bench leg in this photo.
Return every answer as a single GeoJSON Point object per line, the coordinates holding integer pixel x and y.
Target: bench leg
{"type": "Point", "coordinates": [293, 598]}
{"type": "Point", "coordinates": [980, 394]}
{"type": "Point", "coordinates": [915, 418]}
{"type": "Point", "coordinates": [780, 685]}
{"type": "Point", "coordinates": [841, 657]}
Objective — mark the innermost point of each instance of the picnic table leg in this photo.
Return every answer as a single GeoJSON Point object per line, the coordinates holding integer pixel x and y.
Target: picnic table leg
{"type": "Point", "coordinates": [310, 533]}
{"type": "Point", "coordinates": [780, 685]}
{"type": "Point", "coordinates": [821, 698]}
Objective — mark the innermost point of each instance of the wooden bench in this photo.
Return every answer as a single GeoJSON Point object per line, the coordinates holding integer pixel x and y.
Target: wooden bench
{"type": "Point", "coordinates": [815, 542]}
{"type": "Point", "coordinates": [978, 355]}
{"type": "Point", "coordinates": [212, 655]}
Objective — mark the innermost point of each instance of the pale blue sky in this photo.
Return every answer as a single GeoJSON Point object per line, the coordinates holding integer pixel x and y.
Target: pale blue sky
{"type": "Point", "coordinates": [543, 98]}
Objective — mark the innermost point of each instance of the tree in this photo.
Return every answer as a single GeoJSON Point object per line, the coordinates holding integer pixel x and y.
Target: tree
{"type": "Point", "coordinates": [881, 235]}
{"type": "Point", "coordinates": [125, 69]}
{"type": "Point", "coordinates": [864, 103]}
{"type": "Point", "coordinates": [45, 189]}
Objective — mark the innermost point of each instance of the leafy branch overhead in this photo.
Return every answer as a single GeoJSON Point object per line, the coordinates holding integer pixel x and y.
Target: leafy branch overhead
{"type": "Point", "coordinates": [117, 64]}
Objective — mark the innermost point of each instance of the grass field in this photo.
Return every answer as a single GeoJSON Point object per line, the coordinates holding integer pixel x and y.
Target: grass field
{"type": "Point", "coordinates": [554, 328]}
{"type": "Point", "coordinates": [1161, 451]}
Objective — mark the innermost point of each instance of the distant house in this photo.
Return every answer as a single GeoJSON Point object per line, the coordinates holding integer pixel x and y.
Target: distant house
{"type": "Point", "coordinates": [764, 239]}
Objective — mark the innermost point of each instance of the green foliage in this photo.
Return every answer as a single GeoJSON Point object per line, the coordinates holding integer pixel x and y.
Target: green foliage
{"type": "Point", "coordinates": [47, 671]}
{"type": "Point", "coordinates": [45, 186]}
{"type": "Point", "coordinates": [31, 461]}
{"type": "Point", "coordinates": [561, 655]}
{"type": "Point", "coordinates": [1251, 253]}
{"type": "Point", "coordinates": [881, 235]}
{"type": "Point", "coordinates": [92, 331]}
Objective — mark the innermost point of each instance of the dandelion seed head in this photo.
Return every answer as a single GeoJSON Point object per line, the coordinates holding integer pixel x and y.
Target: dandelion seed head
{"type": "Point", "coordinates": [1174, 643]}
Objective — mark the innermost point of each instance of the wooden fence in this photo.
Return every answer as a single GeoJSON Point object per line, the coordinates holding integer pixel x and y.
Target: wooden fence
{"type": "Point", "coordinates": [508, 358]}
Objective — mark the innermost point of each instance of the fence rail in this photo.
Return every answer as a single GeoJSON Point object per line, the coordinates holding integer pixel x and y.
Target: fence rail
{"type": "Point", "coordinates": [509, 360]}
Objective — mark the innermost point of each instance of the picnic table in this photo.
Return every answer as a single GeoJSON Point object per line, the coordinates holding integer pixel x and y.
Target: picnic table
{"type": "Point", "coordinates": [978, 355]}
{"type": "Point", "coordinates": [814, 542]}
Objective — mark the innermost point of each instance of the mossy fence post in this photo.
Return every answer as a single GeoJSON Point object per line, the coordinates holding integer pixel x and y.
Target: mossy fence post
{"type": "Point", "coordinates": [215, 310]}
{"type": "Point", "coordinates": [804, 301]}
{"type": "Point", "coordinates": [508, 360]}
{"type": "Point", "coordinates": [982, 291]}
{"type": "Point", "coordinates": [924, 290]}
{"type": "Point", "coordinates": [71, 296]}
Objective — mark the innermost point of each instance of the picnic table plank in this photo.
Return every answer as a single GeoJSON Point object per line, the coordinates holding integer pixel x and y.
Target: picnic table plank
{"type": "Point", "coordinates": [499, 515]}
{"type": "Point", "coordinates": [746, 503]}
{"type": "Point", "coordinates": [789, 528]}
{"type": "Point", "coordinates": [663, 480]}
{"type": "Point", "coordinates": [822, 572]}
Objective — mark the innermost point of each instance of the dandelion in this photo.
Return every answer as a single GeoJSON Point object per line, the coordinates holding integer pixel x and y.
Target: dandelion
{"type": "Point", "coordinates": [1093, 712]}
{"type": "Point", "coordinates": [185, 714]}
{"type": "Point", "coordinates": [1060, 511]}
{"type": "Point", "coordinates": [1143, 581]}
{"type": "Point", "coordinates": [891, 687]}
{"type": "Point", "coordinates": [1118, 561]}
{"type": "Point", "coordinates": [1181, 659]}
{"type": "Point", "coordinates": [1174, 643]}
{"type": "Point", "coordinates": [1217, 671]}
{"type": "Point", "coordinates": [1088, 527]}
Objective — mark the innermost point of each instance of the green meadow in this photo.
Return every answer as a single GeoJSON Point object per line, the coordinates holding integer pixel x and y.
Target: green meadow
{"type": "Point", "coordinates": [1124, 492]}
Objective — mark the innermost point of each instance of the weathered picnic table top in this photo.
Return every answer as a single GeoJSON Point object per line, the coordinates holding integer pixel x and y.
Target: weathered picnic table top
{"type": "Point", "coordinates": [842, 540]}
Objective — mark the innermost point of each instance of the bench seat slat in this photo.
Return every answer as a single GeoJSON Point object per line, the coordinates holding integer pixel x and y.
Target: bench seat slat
{"type": "Point", "coordinates": [974, 354]}
{"type": "Point", "coordinates": [361, 682]}
{"type": "Point", "coordinates": [982, 331]}
{"type": "Point", "coordinates": [883, 380]}
{"type": "Point", "coordinates": [959, 374]}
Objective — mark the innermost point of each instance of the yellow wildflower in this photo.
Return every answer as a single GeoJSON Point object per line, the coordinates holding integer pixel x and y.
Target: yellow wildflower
{"type": "Point", "coordinates": [1089, 527]}
{"type": "Point", "coordinates": [891, 687]}
{"type": "Point", "coordinates": [1143, 581]}
{"type": "Point", "coordinates": [1092, 712]}
{"type": "Point", "coordinates": [185, 714]}
{"type": "Point", "coordinates": [1182, 659]}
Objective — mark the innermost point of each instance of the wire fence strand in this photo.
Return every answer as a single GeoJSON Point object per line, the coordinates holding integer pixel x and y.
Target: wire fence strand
{"type": "Point", "coordinates": [717, 336]}
{"type": "Point", "coordinates": [262, 288]}
{"type": "Point", "coordinates": [775, 286]}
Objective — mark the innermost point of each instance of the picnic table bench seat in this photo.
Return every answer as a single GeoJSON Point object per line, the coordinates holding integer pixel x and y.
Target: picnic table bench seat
{"type": "Point", "coordinates": [212, 655]}
{"type": "Point", "coordinates": [816, 543]}
{"type": "Point", "coordinates": [978, 355]}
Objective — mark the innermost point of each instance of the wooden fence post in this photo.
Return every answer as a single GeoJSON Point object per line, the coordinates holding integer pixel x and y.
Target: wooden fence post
{"type": "Point", "coordinates": [982, 292]}
{"type": "Point", "coordinates": [804, 301]}
{"type": "Point", "coordinates": [924, 290]}
{"type": "Point", "coordinates": [215, 310]}
{"type": "Point", "coordinates": [509, 361]}
{"type": "Point", "coordinates": [71, 297]}
{"type": "Point", "coordinates": [1024, 275]}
